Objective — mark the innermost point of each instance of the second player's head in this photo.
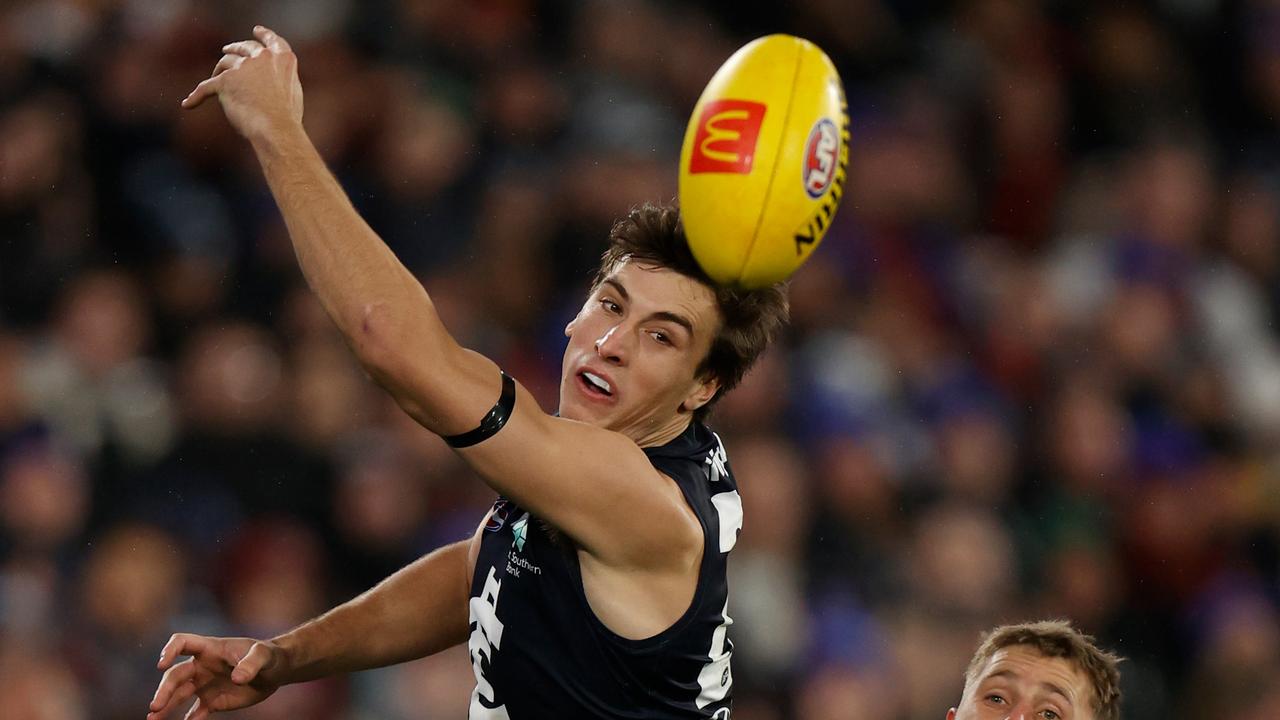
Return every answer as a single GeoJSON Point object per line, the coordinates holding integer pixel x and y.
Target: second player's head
{"type": "Point", "coordinates": [1044, 670]}
{"type": "Point", "coordinates": [657, 342]}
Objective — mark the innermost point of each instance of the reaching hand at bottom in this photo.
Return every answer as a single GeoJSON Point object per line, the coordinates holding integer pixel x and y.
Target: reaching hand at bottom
{"type": "Point", "coordinates": [222, 674]}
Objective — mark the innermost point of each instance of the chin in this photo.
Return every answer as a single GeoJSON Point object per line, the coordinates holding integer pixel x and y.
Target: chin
{"type": "Point", "coordinates": [577, 411]}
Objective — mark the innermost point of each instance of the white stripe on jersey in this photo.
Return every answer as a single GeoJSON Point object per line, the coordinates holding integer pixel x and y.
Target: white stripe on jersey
{"type": "Point", "coordinates": [729, 508]}
{"type": "Point", "coordinates": [716, 678]}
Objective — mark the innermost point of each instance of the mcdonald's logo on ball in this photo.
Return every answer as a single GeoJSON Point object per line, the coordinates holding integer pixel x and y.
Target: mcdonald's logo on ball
{"type": "Point", "coordinates": [726, 137]}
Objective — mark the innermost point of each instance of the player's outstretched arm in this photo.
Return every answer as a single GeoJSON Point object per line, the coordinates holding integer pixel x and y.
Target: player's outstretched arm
{"type": "Point", "coordinates": [382, 310]}
{"type": "Point", "coordinates": [418, 611]}
{"type": "Point", "coordinates": [593, 484]}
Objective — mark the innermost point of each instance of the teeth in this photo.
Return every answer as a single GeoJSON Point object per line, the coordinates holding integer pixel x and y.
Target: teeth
{"type": "Point", "coordinates": [598, 382]}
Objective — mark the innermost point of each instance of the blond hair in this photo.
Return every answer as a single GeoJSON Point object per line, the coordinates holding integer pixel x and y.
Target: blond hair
{"type": "Point", "coordinates": [1058, 639]}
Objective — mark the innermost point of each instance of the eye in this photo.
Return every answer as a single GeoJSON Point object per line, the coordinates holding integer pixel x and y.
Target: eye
{"type": "Point", "coordinates": [661, 337]}
{"type": "Point", "coordinates": [1051, 715]}
{"type": "Point", "coordinates": [610, 306]}
{"type": "Point", "coordinates": [996, 699]}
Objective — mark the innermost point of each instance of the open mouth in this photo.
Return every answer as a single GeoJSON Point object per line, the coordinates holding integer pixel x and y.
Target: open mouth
{"type": "Point", "coordinates": [595, 385]}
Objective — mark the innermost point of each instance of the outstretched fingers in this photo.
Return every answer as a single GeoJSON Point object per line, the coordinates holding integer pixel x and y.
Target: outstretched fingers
{"type": "Point", "coordinates": [176, 687]}
{"type": "Point", "coordinates": [203, 91]}
{"type": "Point", "coordinates": [182, 644]}
{"type": "Point", "coordinates": [171, 695]}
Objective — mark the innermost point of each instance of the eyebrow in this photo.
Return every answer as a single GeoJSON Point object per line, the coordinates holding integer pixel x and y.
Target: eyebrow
{"type": "Point", "coordinates": [674, 318]}
{"type": "Point", "coordinates": [1045, 683]}
{"type": "Point", "coordinates": [666, 315]}
{"type": "Point", "coordinates": [618, 286]}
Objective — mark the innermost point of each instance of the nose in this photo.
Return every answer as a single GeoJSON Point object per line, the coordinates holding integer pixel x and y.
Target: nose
{"type": "Point", "coordinates": [611, 346]}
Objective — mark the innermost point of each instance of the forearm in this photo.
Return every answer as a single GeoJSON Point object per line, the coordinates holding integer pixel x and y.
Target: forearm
{"type": "Point", "coordinates": [371, 296]}
{"type": "Point", "coordinates": [418, 611]}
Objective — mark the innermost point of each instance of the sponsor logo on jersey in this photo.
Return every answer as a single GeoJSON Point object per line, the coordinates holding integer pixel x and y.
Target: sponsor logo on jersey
{"type": "Point", "coordinates": [520, 531]}
{"type": "Point", "coordinates": [820, 156]}
{"type": "Point", "coordinates": [725, 141]}
{"type": "Point", "coordinates": [498, 516]}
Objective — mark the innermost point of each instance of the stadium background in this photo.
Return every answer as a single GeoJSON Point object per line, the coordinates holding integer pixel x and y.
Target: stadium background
{"type": "Point", "coordinates": [1034, 370]}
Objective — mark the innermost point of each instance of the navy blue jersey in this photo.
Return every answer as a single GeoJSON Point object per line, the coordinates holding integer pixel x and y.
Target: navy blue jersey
{"type": "Point", "coordinates": [538, 649]}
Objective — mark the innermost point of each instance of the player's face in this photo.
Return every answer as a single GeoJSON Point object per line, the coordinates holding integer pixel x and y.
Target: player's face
{"type": "Point", "coordinates": [634, 349]}
{"type": "Point", "coordinates": [1019, 683]}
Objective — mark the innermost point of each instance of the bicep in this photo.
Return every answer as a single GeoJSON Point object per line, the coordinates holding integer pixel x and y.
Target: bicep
{"type": "Point", "coordinates": [595, 485]}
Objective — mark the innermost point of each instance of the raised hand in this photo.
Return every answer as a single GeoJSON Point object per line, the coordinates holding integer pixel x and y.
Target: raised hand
{"type": "Point", "coordinates": [256, 82]}
{"type": "Point", "coordinates": [222, 674]}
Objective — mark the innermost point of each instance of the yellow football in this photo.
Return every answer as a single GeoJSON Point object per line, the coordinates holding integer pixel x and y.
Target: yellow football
{"type": "Point", "coordinates": [763, 164]}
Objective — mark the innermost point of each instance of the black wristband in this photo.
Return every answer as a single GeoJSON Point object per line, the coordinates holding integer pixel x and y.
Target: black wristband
{"type": "Point", "coordinates": [493, 421]}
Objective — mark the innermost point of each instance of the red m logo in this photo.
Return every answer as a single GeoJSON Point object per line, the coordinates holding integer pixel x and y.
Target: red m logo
{"type": "Point", "coordinates": [726, 137]}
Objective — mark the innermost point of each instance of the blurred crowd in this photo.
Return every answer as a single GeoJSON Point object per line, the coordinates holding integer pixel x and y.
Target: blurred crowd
{"type": "Point", "coordinates": [1033, 371]}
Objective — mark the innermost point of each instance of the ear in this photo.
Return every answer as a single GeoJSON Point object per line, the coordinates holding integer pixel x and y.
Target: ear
{"type": "Point", "coordinates": [701, 394]}
{"type": "Point", "coordinates": [951, 714]}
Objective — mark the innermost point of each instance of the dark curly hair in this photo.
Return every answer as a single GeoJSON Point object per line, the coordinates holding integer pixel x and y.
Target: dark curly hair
{"type": "Point", "coordinates": [750, 319]}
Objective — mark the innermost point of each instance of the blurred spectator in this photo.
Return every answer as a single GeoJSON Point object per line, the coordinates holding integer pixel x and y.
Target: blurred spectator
{"type": "Point", "coordinates": [1240, 658]}
{"type": "Point", "coordinates": [44, 507]}
{"type": "Point", "coordinates": [47, 207]}
{"type": "Point", "coordinates": [766, 565]}
{"type": "Point", "coordinates": [45, 492]}
{"type": "Point", "coordinates": [126, 603]}
{"type": "Point", "coordinates": [273, 577]}
{"type": "Point", "coordinates": [39, 686]}
{"type": "Point", "coordinates": [14, 412]}
{"type": "Point", "coordinates": [426, 689]}
{"type": "Point", "coordinates": [380, 511]}
{"type": "Point", "coordinates": [90, 379]}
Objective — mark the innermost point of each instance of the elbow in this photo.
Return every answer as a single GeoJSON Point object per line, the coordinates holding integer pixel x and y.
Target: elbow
{"type": "Point", "coordinates": [392, 345]}
{"type": "Point", "coordinates": [375, 340]}
{"type": "Point", "coordinates": [393, 327]}
{"type": "Point", "coordinates": [397, 355]}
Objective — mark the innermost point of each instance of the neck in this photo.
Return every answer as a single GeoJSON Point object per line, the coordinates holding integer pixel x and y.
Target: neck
{"type": "Point", "coordinates": [662, 434]}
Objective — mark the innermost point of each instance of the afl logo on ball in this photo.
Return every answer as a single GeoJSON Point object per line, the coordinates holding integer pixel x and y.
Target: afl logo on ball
{"type": "Point", "coordinates": [820, 155]}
